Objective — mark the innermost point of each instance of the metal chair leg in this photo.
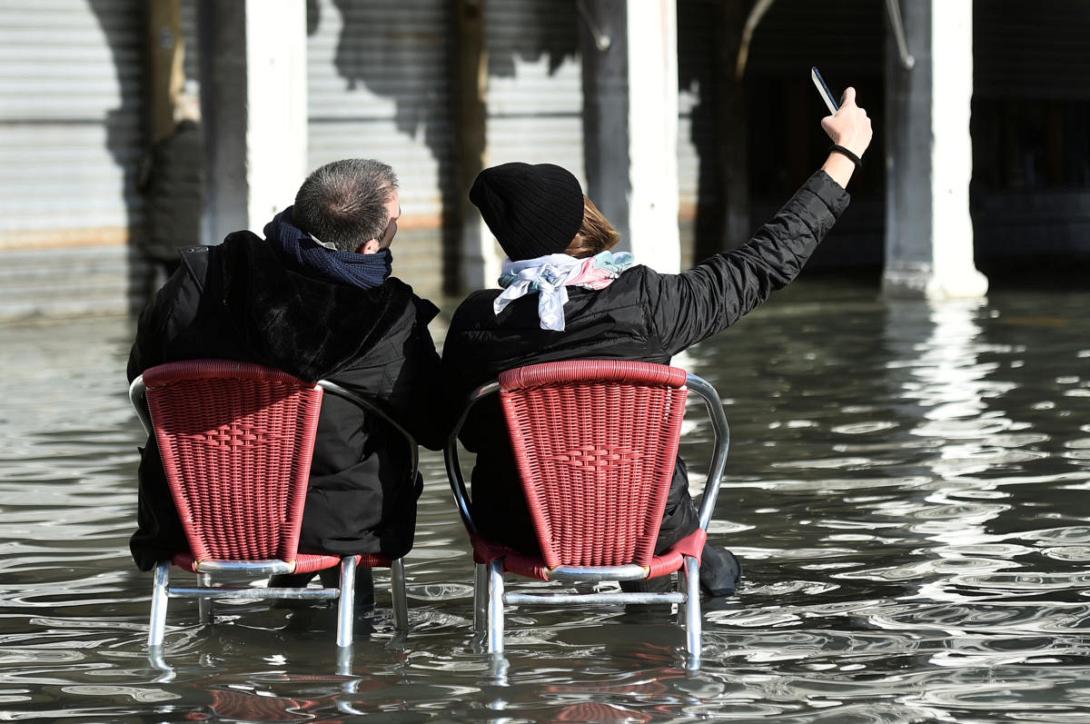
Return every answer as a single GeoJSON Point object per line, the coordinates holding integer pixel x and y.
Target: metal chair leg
{"type": "Point", "coordinates": [480, 597]}
{"type": "Point", "coordinates": [204, 605]}
{"type": "Point", "coordinates": [157, 622]}
{"type": "Point", "coordinates": [344, 664]}
{"type": "Point", "coordinates": [400, 599]}
{"type": "Point", "coordinates": [347, 603]}
{"type": "Point", "coordinates": [495, 607]}
{"type": "Point", "coordinates": [693, 619]}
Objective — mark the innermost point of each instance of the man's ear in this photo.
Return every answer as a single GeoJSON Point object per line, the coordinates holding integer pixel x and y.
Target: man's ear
{"type": "Point", "coordinates": [369, 247]}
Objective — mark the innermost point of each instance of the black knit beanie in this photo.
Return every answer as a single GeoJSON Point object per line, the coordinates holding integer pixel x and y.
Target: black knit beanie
{"type": "Point", "coordinates": [531, 210]}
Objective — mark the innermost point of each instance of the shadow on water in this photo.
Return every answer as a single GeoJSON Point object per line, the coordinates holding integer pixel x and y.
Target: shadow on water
{"type": "Point", "coordinates": [908, 490]}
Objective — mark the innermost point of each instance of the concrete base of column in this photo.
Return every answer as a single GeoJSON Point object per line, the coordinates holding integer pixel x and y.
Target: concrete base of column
{"type": "Point", "coordinates": [920, 280]}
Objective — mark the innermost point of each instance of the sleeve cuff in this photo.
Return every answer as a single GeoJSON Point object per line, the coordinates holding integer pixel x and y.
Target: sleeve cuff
{"type": "Point", "coordinates": [831, 193]}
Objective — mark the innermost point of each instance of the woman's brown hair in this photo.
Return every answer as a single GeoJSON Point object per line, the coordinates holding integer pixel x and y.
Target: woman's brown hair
{"type": "Point", "coordinates": [595, 235]}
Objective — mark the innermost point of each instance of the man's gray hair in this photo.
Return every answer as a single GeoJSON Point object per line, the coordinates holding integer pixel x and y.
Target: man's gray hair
{"type": "Point", "coordinates": [344, 203]}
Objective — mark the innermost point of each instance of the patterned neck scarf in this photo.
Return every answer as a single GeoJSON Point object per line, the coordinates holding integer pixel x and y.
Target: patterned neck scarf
{"type": "Point", "coordinates": [549, 275]}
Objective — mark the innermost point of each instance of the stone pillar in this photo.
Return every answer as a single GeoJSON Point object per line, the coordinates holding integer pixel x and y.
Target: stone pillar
{"type": "Point", "coordinates": [630, 106]}
{"type": "Point", "coordinates": [254, 109]}
{"type": "Point", "coordinates": [479, 257]}
{"type": "Point", "coordinates": [929, 234]}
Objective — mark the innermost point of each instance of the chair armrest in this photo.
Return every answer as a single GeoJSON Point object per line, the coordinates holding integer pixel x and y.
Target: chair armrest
{"type": "Point", "coordinates": [138, 396]}
{"type": "Point", "coordinates": [721, 430]}
{"type": "Point", "coordinates": [450, 456]}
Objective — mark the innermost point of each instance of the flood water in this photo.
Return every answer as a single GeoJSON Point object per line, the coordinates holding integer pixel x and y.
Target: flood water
{"type": "Point", "coordinates": [909, 490]}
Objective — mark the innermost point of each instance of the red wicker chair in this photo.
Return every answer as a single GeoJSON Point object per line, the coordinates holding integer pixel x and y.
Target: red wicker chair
{"type": "Point", "coordinates": [236, 441]}
{"type": "Point", "coordinates": [596, 443]}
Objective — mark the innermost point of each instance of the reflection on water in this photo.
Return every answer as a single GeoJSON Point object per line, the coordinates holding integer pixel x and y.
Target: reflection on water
{"type": "Point", "coordinates": [908, 489]}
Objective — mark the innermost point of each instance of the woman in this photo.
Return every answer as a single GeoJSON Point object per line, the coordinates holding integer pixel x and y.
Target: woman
{"type": "Point", "coordinates": [567, 296]}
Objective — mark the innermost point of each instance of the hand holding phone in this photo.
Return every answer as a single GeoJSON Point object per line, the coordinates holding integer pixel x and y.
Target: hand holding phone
{"type": "Point", "coordinates": [848, 127]}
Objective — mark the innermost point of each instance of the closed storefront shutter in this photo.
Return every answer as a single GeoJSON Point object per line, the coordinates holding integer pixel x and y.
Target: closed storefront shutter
{"type": "Point", "coordinates": [535, 83]}
{"type": "Point", "coordinates": [71, 76]}
{"type": "Point", "coordinates": [379, 87]}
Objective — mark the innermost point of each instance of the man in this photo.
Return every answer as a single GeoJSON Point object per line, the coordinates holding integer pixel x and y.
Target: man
{"type": "Point", "coordinates": [314, 298]}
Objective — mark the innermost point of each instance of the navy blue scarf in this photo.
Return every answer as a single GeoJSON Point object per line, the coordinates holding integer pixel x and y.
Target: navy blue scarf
{"type": "Point", "coordinates": [298, 249]}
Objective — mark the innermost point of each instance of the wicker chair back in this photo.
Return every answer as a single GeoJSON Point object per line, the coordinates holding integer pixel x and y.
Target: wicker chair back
{"type": "Point", "coordinates": [236, 441]}
{"type": "Point", "coordinates": [596, 442]}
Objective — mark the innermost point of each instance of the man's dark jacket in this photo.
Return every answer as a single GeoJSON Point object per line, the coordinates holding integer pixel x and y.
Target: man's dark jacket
{"type": "Point", "coordinates": [240, 301]}
{"type": "Point", "coordinates": [642, 316]}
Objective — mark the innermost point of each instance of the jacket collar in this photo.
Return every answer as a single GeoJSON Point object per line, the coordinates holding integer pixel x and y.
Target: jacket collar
{"type": "Point", "coordinates": [309, 326]}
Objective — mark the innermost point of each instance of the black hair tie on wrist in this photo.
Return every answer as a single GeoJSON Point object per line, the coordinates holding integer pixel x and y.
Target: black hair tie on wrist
{"type": "Point", "coordinates": [851, 156]}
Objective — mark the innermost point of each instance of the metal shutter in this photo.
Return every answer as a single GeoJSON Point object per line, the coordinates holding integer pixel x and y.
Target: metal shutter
{"type": "Point", "coordinates": [535, 83]}
{"type": "Point", "coordinates": [71, 77]}
{"type": "Point", "coordinates": [379, 88]}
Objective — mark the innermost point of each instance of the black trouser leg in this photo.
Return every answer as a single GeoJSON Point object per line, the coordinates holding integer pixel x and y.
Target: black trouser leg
{"type": "Point", "coordinates": [290, 580]}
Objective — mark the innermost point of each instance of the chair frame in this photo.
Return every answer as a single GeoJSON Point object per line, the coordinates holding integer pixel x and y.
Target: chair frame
{"type": "Point", "coordinates": [489, 595]}
{"type": "Point", "coordinates": [204, 591]}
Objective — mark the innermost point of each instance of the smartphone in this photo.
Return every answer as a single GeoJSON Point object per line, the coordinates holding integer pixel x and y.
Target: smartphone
{"type": "Point", "coordinates": [823, 90]}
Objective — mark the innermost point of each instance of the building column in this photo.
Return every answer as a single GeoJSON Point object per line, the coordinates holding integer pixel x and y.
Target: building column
{"type": "Point", "coordinates": [630, 107]}
{"type": "Point", "coordinates": [929, 233]}
{"type": "Point", "coordinates": [479, 257]}
{"type": "Point", "coordinates": [253, 80]}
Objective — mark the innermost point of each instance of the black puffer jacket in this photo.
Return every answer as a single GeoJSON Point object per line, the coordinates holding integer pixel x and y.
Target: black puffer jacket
{"type": "Point", "coordinates": [643, 316]}
{"type": "Point", "coordinates": [239, 301]}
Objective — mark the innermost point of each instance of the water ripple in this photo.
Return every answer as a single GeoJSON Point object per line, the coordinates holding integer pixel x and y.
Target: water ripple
{"type": "Point", "coordinates": [908, 489]}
